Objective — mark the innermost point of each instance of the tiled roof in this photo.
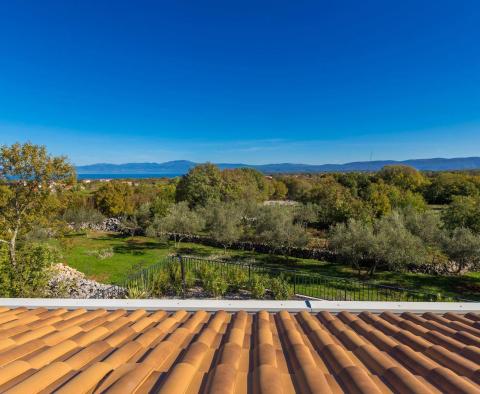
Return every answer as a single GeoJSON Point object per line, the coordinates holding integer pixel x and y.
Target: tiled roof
{"type": "Point", "coordinates": [80, 351]}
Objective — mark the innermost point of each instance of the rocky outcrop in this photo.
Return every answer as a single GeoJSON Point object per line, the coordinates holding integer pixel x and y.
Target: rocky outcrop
{"type": "Point", "coordinates": [69, 283]}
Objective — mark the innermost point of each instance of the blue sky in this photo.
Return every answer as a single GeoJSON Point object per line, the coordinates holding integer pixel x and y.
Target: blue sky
{"type": "Point", "coordinates": [241, 81]}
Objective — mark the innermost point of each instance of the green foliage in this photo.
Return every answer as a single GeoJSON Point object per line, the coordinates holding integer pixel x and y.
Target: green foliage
{"type": "Point", "coordinates": [212, 281]}
{"type": "Point", "coordinates": [29, 278]}
{"type": "Point", "coordinates": [275, 226]}
{"type": "Point", "coordinates": [387, 241]}
{"type": "Point", "coordinates": [404, 177]}
{"type": "Point", "coordinates": [335, 202]}
{"type": "Point", "coordinates": [463, 247]}
{"type": "Point", "coordinates": [223, 222]}
{"type": "Point", "coordinates": [257, 286]}
{"type": "Point", "coordinates": [115, 198]}
{"type": "Point", "coordinates": [78, 215]}
{"type": "Point", "coordinates": [29, 177]}
{"type": "Point", "coordinates": [180, 220]}
{"type": "Point", "coordinates": [164, 199]}
{"type": "Point", "coordinates": [444, 186]}
{"type": "Point", "coordinates": [237, 279]}
{"type": "Point", "coordinates": [280, 190]}
{"type": "Point", "coordinates": [280, 288]}
{"type": "Point", "coordinates": [201, 185]}
{"type": "Point", "coordinates": [463, 212]}
{"type": "Point", "coordinates": [395, 245]}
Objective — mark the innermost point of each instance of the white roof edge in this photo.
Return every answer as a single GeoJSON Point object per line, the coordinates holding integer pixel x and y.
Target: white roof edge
{"type": "Point", "coordinates": [246, 305]}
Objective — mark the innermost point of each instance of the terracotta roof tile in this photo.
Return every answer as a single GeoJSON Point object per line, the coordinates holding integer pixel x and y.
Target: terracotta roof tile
{"type": "Point", "coordinates": [218, 352]}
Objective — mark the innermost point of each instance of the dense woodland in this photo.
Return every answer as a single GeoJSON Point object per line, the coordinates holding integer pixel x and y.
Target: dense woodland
{"type": "Point", "coordinates": [397, 219]}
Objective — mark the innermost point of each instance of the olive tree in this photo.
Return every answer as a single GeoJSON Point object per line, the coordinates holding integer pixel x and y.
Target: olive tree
{"type": "Point", "coordinates": [180, 221]}
{"type": "Point", "coordinates": [28, 178]}
{"type": "Point", "coordinates": [463, 248]}
{"type": "Point", "coordinates": [275, 226]}
{"type": "Point", "coordinates": [224, 222]}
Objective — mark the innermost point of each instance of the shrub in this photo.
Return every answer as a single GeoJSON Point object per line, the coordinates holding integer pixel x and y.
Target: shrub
{"type": "Point", "coordinates": [237, 279]}
{"type": "Point", "coordinates": [137, 290]}
{"type": "Point", "coordinates": [280, 288]}
{"type": "Point", "coordinates": [257, 286]}
{"type": "Point", "coordinates": [173, 272]}
{"type": "Point", "coordinates": [29, 278]}
{"type": "Point", "coordinates": [212, 281]}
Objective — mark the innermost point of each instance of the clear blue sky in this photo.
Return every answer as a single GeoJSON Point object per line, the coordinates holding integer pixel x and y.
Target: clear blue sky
{"type": "Point", "coordinates": [241, 81]}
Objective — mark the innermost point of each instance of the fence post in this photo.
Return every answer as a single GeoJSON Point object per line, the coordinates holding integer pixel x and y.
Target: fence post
{"type": "Point", "coordinates": [295, 283]}
{"type": "Point", "coordinates": [182, 268]}
{"type": "Point", "coordinates": [249, 273]}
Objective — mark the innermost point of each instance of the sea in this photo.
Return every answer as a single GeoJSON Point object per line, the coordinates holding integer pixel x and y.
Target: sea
{"type": "Point", "coordinates": [125, 176]}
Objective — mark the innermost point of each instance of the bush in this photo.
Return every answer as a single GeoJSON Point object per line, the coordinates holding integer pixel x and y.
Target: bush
{"type": "Point", "coordinates": [29, 278]}
{"type": "Point", "coordinates": [280, 288]}
{"type": "Point", "coordinates": [237, 279]}
{"type": "Point", "coordinates": [257, 286]}
{"type": "Point", "coordinates": [173, 277]}
{"type": "Point", "coordinates": [212, 281]}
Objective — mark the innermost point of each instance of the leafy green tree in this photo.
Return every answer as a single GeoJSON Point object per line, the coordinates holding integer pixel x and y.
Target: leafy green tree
{"type": "Point", "coordinates": [444, 186]}
{"type": "Point", "coordinates": [335, 202]}
{"type": "Point", "coordinates": [354, 242]}
{"type": "Point", "coordinates": [275, 226]}
{"type": "Point", "coordinates": [115, 198]}
{"type": "Point", "coordinates": [201, 185]}
{"type": "Point", "coordinates": [426, 225]}
{"type": "Point", "coordinates": [463, 248]}
{"type": "Point", "coordinates": [306, 214]}
{"type": "Point", "coordinates": [164, 199]}
{"type": "Point", "coordinates": [298, 187]}
{"type": "Point", "coordinates": [180, 221]}
{"type": "Point", "coordinates": [395, 245]}
{"type": "Point", "coordinates": [280, 189]}
{"type": "Point", "coordinates": [224, 222]}
{"type": "Point", "coordinates": [29, 177]}
{"type": "Point", "coordinates": [463, 212]}
{"type": "Point", "coordinates": [386, 242]}
{"type": "Point", "coordinates": [404, 177]}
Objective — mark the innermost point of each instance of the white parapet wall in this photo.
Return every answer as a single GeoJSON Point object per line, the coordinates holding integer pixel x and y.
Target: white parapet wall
{"type": "Point", "coordinates": [245, 305]}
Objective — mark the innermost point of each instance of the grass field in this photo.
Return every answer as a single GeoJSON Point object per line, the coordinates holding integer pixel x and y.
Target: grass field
{"type": "Point", "coordinates": [82, 251]}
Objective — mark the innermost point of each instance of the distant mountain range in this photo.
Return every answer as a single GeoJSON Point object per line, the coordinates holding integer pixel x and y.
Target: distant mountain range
{"type": "Point", "coordinates": [183, 166]}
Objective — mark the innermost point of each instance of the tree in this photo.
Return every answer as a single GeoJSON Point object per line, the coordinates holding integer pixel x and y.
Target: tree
{"type": "Point", "coordinates": [202, 184]}
{"type": "Point", "coordinates": [224, 223]}
{"type": "Point", "coordinates": [395, 245]}
{"type": "Point", "coordinates": [354, 242]}
{"type": "Point", "coordinates": [275, 226]}
{"type": "Point", "coordinates": [404, 177]}
{"type": "Point", "coordinates": [463, 212]}
{"type": "Point", "coordinates": [180, 221]}
{"type": "Point", "coordinates": [463, 248]}
{"type": "Point", "coordinates": [444, 186]}
{"type": "Point", "coordinates": [28, 178]}
{"type": "Point", "coordinates": [306, 214]}
{"type": "Point", "coordinates": [335, 202]}
{"type": "Point", "coordinates": [280, 189]}
{"type": "Point", "coordinates": [386, 242]}
{"type": "Point", "coordinates": [115, 198]}
{"type": "Point", "coordinates": [424, 224]}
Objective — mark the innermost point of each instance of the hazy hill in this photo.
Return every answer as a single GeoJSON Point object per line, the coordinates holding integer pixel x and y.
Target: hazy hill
{"type": "Point", "coordinates": [182, 166]}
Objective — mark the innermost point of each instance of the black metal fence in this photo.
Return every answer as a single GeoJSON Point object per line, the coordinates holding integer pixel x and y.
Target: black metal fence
{"type": "Point", "coordinates": [301, 283]}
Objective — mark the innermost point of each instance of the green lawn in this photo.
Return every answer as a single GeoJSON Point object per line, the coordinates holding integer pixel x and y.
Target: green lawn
{"type": "Point", "coordinates": [133, 253]}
